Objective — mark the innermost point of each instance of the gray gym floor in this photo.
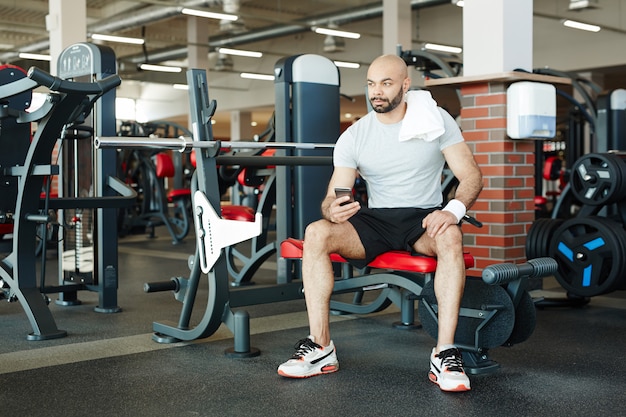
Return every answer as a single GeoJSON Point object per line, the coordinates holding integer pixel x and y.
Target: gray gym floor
{"type": "Point", "coordinates": [573, 365]}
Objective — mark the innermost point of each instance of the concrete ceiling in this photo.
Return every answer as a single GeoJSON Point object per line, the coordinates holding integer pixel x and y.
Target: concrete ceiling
{"type": "Point", "coordinates": [280, 28]}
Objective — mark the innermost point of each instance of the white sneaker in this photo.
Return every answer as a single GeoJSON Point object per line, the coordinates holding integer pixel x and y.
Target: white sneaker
{"type": "Point", "coordinates": [446, 370]}
{"type": "Point", "coordinates": [310, 359]}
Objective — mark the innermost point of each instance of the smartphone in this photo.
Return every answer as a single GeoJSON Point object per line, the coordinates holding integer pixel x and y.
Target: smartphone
{"type": "Point", "coordinates": [341, 191]}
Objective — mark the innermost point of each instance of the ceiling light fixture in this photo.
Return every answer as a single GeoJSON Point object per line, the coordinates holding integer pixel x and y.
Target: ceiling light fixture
{"type": "Point", "coordinates": [180, 86]}
{"type": "Point", "coordinates": [335, 32]}
{"type": "Point", "coordinates": [255, 76]}
{"type": "Point", "coordinates": [240, 52]}
{"type": "Point", "coordinates": [459, 3]}
{"type": "Point", "coordinates": [159, 68]}
{"type": "Point", "coordinates": [582, 4]}
{"type": "Point", "coordinates": [209, 15]}
{"type": "Point", "coordinates": [582, 26]}
{"type": "Point", "coordinates": [443, 48]}
{"type": "Point", "coordinates": [37, 57]}
{"type": "Point", "coordinates": [343, 64]}
{"type": "Point", "coordinates": [119, 39]}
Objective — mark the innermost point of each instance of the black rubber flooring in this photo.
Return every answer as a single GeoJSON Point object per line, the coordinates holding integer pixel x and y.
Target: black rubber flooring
{"type": "Point", "coordinates": [573, 364]}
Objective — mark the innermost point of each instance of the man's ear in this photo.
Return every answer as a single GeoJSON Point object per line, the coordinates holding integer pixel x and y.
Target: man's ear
{"type": "Point", "coordinates": [407, 85]}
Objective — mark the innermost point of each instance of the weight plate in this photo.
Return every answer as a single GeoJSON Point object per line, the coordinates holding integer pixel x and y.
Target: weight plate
{"type": "Point", "coordinates": [597, 179]}
{"type": "Point", "coordinates": [590, 255]}
{"type": "Point", "coordinates": [539, 236]}
{"type": "Point", "coordinates": [486, 319]}
{"type": "Point", "coordinates": [525, 320]}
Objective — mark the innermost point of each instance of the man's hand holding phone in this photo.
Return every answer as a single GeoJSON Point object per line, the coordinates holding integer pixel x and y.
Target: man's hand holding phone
{"type": "Point", "coordinates": [344, 191]}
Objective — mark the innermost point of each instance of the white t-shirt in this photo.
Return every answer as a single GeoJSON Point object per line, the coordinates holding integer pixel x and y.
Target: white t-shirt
{"type": "Point", "coordinates": [397, 174]}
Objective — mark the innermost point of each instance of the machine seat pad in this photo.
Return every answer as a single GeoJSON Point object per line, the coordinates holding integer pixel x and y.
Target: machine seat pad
{"type": "Point", "coordinates": [239, 213]}
{"type": "Point", "coordinates": [398, 260]}
{"type": "Point", "coordinates": [178, 193]}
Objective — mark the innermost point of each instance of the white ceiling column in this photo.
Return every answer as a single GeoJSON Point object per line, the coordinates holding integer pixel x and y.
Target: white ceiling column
{"type": "Point", "coordinates": [197, 43]}
{"type": "Point", "coordinates": [497, 36]}
{"type": "Point", "coordinates": [240, 125]}
{"type": "Point", "coordinates": [66, 23]}
{"type": "Point", "coordinates": [396, 25]}
{"type": "Point", "coordinates": [197, 48]}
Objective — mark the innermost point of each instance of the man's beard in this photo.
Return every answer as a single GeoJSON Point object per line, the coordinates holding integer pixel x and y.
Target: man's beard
{"type": "Point", "coordinates": [391, 105]}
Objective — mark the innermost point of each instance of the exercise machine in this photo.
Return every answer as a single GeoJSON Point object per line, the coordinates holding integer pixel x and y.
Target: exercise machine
{"type": "Point", "coordinates": [88, 248]}
{"type": "Point", "coordinates": [67, 103]}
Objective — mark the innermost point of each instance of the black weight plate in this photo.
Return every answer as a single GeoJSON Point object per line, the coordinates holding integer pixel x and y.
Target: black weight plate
{"type": "Point", "coordinates": [539, 237]}
{"type": "Point", "coordinates": [477, 305]}
{"type": "Point", "coordinates": [590, 255]}
{"type": "Point", "coordinates": [532, 238]}
{"type": "Point", "coordinates": [596, 179]}
{"type": "Point", "coordinates": [525, 320]}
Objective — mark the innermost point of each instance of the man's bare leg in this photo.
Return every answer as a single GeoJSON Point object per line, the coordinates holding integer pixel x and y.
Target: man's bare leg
{"type": "Point", "coordinates": [316, 355]}
{"type": "Point", "coordinates": [321, 239]}
{"type": "Point", "coordinates": [449, 279]}
{"type": "Point", "coordinates": [446, 363]}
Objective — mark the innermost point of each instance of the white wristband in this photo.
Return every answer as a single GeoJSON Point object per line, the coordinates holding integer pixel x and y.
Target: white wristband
{"type": "Point", "coordinates": [457, 208]}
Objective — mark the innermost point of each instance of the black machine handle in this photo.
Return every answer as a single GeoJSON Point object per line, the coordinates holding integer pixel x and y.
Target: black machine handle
{"type": "Point", "coordinates": [171, 285]}
{"type": "Point", "coordinates": [71, 87]}
{"type": "Point", "coordinates": [507, 272]}
{"type": "Point", "coordinates": [472, 220]}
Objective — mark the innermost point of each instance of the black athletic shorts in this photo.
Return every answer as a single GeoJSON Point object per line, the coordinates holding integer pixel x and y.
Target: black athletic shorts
{"type": "Point", "coordinates": [385, 229]}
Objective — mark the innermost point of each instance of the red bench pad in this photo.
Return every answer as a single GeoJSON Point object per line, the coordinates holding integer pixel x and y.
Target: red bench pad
{"type": "Point", "coordinates": [239, 213]}
{"type": "Point", "coordinates": [399, 260]}
{"type": "Point", "coordinates": [178, 193]}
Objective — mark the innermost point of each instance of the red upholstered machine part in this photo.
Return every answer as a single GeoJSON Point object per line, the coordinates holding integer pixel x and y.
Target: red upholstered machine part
{"type": "Point", "coordinates": [399, 260]}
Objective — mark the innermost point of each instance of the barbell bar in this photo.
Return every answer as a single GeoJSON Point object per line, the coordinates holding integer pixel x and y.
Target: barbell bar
{"type": "Point", "coordinates": [186, 143]}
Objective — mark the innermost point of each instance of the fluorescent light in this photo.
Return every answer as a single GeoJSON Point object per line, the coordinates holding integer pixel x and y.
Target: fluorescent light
{"type": "Point", "coordinates": [120, 39]}
{"type": "Point", "coordinates": [209, 15]}
{"type": "Point", "coordinates": [239, 52]}
{"type": "Point", "coordinates": [582, 4]}
{"type": "Point", "coordinates": [334, 32]}
{"type": "Point", "coordinates": [459, 3]}
{"type": "Point", "coordinates": [443, 48]}
{"type": "Point", "coordinates": [582, 26]}
{"type": "Point", "coordinates": [38, 57]}
{"type": "Point", "coordinates": [347, 64]}
{"type": "Point", "coordinates": [255, 76]}
{"type": "Point", "coordinates": [180, 86]}
{"type": "Point", "coordinates": [159, 68]}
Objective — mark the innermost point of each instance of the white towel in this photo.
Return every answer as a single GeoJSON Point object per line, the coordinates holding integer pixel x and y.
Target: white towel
{"type": "Point", "coordinates": [422, 119]}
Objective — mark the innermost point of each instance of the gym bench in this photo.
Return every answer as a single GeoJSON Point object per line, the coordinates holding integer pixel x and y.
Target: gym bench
{"type": "Point", "coordinates": [491, 314]}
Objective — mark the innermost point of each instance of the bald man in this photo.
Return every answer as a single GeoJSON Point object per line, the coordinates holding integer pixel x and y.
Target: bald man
{"type": "Point", "coordinates": [404, 212]}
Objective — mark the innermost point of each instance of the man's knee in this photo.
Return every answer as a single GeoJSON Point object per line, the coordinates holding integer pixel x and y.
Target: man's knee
{"type": "Point", "coordinates": [317, 233]}
{"type": "Point", "coordinates": [450, 240]}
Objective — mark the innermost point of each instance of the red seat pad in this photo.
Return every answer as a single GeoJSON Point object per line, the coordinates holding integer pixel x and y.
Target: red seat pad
{"type": "Point", "coordinates": [399, 260]}
{"type": "Point", "coordinates": [179, 192]}
{"type": "Point", "coordinates": [164, 166]}
{"type": "Point", "coordinates": [240, 213]}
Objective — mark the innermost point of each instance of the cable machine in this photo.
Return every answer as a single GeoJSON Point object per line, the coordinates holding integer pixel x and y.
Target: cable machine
{"type": "Point", "coordinates": [88, 249]}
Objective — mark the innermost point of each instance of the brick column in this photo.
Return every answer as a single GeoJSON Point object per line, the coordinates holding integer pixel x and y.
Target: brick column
{"type": "Point", "coordinates": [506, 205]}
